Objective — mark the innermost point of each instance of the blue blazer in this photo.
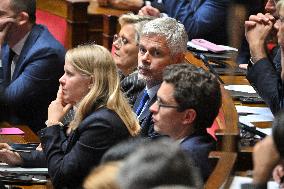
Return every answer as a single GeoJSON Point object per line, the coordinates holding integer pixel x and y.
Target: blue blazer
{"type": "Point", "coordinates": [145, 119]}
{"type": "Point", "coordinates": [198, 146]}
{"type": "Point", "coordinates": [201, 18]}
{"type": "Point", "coordinates": [25, 99]}
{"type": "Point", "coordinates": [70, 162]}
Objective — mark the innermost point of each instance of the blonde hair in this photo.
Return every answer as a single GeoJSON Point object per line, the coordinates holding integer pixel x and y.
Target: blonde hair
{"type": "Point", "coordinates": [279, 5]}
{"type": "Point", "coordinates": [96, 61]}
{"type": "Point", "coordinates": [103, 177]}
{"type": "Point", "coordinates": [136, 20]}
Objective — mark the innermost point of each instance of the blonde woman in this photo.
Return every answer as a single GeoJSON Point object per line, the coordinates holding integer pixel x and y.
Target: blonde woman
{"type": "Point", "coordinates": [103, 117]}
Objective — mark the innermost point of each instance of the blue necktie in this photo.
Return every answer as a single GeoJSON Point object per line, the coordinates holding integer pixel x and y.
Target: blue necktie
{"type": "Point", "coordinates": [143, 101]}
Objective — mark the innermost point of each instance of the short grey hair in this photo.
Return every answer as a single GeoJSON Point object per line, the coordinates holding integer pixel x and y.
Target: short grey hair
{"type": "Point", "coordinates": [171, 29]}
{"type": "Point", "coordinates": [136, 20]}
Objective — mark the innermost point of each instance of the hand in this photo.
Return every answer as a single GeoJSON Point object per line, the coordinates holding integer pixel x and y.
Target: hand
{"type": "Point", "coordinates": [5, 25]}
{"type": "Point", "coordinates": [57, 108]}
{"type": "Point", "coordinates": [243, 66]}
{"type": "Point", "coordinates": [265, 158]}
{"type": "Point", "coordinates": [278, 173]}
{"type": "Point", "coordinates": [39, 148]}
{"type": "Point", "coordinates": [256, 36]}
{"type": "Point", "coordinates": [9, 157]}
{"type": "Point", "coordinates": [259, 18]}
{"type": "Point", "coordinates": [149, 11]}
{"type": "Point", "coordinates": [132, 5]}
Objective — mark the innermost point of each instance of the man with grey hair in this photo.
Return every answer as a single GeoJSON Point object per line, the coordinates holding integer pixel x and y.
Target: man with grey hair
{"type": "Point", "coordinates": [163, 42]}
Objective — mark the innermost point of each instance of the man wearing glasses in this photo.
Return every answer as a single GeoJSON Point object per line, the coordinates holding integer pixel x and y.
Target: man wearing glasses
{"type": "Point", "coordinates": [163, 42]}
{"type": "Point", "coordinates": [187, 103]}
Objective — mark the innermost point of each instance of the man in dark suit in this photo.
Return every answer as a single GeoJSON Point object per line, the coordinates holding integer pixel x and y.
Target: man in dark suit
{"type": "Point", "coordinates": [163, 42]}
{"type": "Point", "coordinates": [32, 62]}
{"type": "Point", "coordinates": [187, 103]}
{"type": "Point", "coordinates": [264, 74]}
{"type": "Point", "coordinates": [202, 18]}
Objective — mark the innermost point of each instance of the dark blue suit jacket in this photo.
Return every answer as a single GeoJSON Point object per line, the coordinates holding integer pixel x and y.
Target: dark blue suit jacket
{"type": "Point", "coordinates": [69, 164]}
{"type": "Point", "coordinates": [145, 119]}
{"type": "Point", "coordinates": [25, 99]}
{"type": "Point", "coordinates": [201, 18]}
{"type": "Point", "coordinates": [264, 76]}
{"type": "Point", "coordinates": [198, 146]}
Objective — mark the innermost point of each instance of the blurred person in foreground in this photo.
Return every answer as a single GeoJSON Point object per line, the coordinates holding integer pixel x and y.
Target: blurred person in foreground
{"type": "Point", "coordinates": [268, 154]}
{"type": "Point", "coordinates": [157, 164]}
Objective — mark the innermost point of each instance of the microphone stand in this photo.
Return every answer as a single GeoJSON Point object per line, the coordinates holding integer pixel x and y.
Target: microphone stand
{"type": "Point", "coordinates": [206, 63]}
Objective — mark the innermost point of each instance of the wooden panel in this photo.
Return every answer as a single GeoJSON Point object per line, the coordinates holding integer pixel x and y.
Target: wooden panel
{"type": "Point", "coordinates": [103, 23]}
{"type": "Point", "coordinates": [57, 7]}
{"type": "Point", "coordinates": [221, 176]}
{"type": "Point", "coordinates": [75, 14]}
{"type": "Point", "coordinates": [228, 132]}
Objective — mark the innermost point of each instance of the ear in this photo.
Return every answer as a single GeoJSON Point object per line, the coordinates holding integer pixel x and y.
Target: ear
{"type": "Point", "coordinates": [189, 117]}
{"type": "Point", "coordinates": [22, 18]}
{"type": "Point", "coordinates": [91, 82]}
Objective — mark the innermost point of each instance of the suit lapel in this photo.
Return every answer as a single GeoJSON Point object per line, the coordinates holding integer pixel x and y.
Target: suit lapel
{"type": "Point", "coordinates": [146, 112]}
{"type": "Point", "coordinates": [5, 61]}
{"type": "Point", "coordinates": [137, 102]}
{"type": "Point", "coordinates": [34, 34]}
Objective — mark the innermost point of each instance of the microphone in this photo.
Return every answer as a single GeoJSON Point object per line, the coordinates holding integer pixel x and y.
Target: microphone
{"type": "Point", "coordinates": [206, 63]}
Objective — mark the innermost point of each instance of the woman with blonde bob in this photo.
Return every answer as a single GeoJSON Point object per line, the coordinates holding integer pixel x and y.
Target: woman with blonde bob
{"type": "Point", "coordinates": [90, 86]}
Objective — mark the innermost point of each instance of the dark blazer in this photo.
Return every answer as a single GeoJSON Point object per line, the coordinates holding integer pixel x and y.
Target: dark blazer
{"type": "Point", "coordinates": [25, 99]}
{"type": "Point", "coordinates": [37, 158]}
{"type": "Point", "coordinates": [145, 119]}
{"type": "Point", "coordinates": [201, 18]}
{"type": "Point", "coordinates": [69, 164]}
{"type": "Point", "coordinates": [198, 146]}
{"type": "Point", "coordinates": [132, 86]}
{"type": "Point", "coordinates": [266, 80]}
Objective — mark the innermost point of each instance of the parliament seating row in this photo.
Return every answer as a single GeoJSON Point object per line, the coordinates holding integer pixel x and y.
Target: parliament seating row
{"type": "Point", "coordinates": [75, 22]}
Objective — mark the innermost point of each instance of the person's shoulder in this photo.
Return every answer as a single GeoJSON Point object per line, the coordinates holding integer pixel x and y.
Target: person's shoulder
{"type": "Point", "coordinates": [199, 141]}
{"type": "Point", "coordinates": [45, 39]}
{"type": "Point", "coordinates": [103, 114]}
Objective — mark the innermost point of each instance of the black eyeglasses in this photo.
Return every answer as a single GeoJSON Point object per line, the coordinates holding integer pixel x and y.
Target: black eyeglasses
{"type": "Point", "coordinates": [158, 101]}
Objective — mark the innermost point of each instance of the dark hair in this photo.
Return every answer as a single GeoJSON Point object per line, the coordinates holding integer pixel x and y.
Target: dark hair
{"type": "Point", "coordinates": [123, 149]}
{"type": "Point", "coordinates": [278, 132]}
{"type": "Point", "coordinates": [159, 163]}
{"type": "Point", "coordinates": [28, 6]}
{"type": "Point", "coordinates": [197, 89]}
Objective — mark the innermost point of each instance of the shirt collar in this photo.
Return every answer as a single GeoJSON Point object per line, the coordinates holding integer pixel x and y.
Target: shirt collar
{"type": "Point", "coordinates": [17, 48]}
{"type": "Point", "coordinates": [153, 91]}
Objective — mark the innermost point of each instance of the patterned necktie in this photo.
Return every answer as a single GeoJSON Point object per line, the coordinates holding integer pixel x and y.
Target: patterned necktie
{"type": "Point", "coordinates": [144, 99]}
